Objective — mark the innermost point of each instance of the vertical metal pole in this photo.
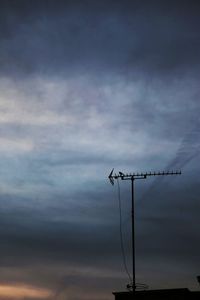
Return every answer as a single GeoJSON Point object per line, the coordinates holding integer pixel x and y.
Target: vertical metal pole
{"type": "Point", "coordinates": [133, 234]}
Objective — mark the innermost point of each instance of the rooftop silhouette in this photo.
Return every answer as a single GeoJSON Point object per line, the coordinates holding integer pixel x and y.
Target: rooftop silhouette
{"type": "Point", "coordinates": [163, 294]}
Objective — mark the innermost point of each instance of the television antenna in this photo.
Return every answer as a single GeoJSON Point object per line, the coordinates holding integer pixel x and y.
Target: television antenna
{"type": "Point", "coordinates": [132, 177]}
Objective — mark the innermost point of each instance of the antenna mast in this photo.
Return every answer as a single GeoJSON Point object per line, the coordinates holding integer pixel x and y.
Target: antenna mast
{"type": "Point", "coordinates": [132, 177]}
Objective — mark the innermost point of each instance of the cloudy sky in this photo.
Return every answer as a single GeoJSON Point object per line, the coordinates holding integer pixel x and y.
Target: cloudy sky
{"type": "Point", "coordinates": [87, 86]}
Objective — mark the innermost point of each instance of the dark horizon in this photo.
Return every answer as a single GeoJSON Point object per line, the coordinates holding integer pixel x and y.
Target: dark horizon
{"type": "Point", "coordinates": [87, 86]}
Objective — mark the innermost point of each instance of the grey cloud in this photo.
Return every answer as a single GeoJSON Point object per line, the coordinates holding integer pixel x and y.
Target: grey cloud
{"type": "Point", "coordinates": [188, 150]}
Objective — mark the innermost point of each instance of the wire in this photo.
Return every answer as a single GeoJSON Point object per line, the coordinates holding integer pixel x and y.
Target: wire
{"type": "Point", "coordinates": [139, 286]}
{"type": "Point", "coordinates": [121, 233]}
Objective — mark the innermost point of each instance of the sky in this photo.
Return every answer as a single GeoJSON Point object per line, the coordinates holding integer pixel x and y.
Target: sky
{"type": "Point", "coordinates": [87, 86]}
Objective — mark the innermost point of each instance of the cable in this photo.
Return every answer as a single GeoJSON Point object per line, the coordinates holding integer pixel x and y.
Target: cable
{"type": "Point", "coordinates": [139, 286]}
{"type": "Point", "coordinates": [121, 233]}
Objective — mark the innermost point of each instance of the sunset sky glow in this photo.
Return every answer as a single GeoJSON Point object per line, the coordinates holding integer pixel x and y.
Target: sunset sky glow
{"type": "Point", "coordinates": [21, 292]}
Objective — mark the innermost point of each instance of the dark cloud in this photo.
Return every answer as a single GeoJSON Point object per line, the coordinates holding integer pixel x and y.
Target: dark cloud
{"type": "Point", "coordinates": [87, 36]}
{"type": "Point", "coordinates": [33, 232]}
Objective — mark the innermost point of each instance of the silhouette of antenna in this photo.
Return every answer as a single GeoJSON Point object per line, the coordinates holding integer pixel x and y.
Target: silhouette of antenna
{"type": "Point", "coordinates": [132, 177]}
